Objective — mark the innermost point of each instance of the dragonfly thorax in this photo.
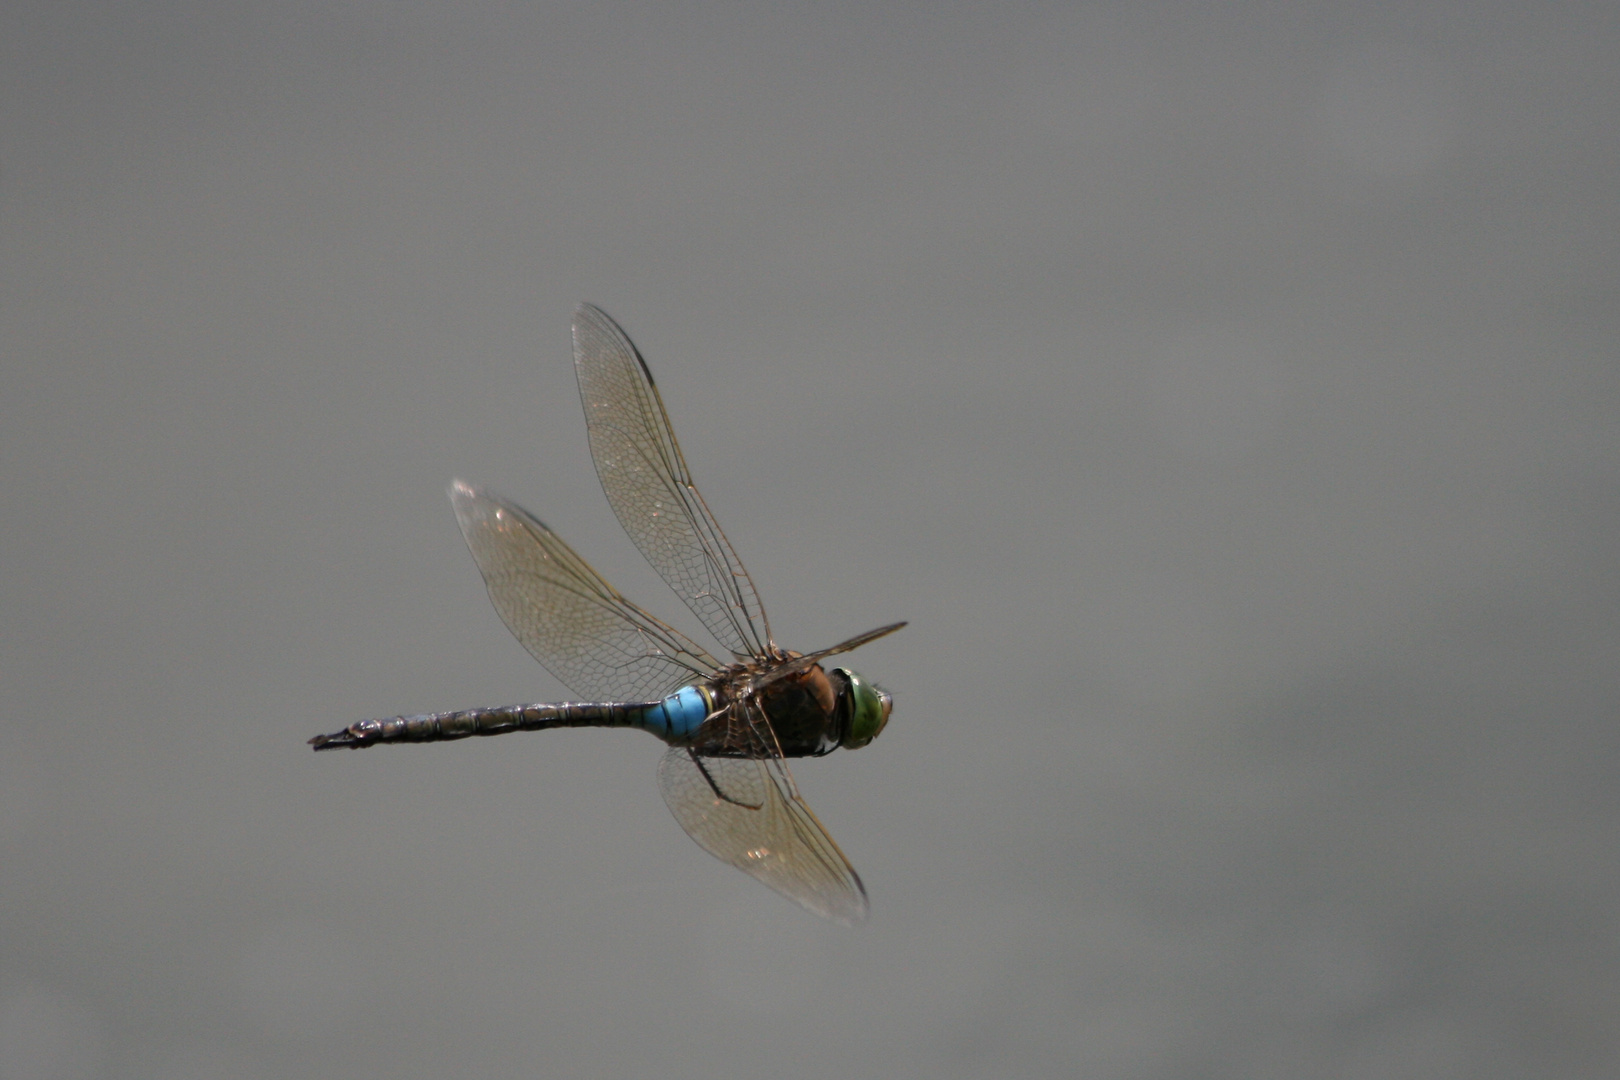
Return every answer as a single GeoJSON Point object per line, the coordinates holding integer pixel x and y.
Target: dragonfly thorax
{"type": "Point", "coordinates": [802, 708]}
{"type": "Point", "coordinates": [811, 712]}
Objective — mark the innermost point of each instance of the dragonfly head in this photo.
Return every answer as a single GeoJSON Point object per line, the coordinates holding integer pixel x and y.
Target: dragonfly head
{"type": "Point", "coordinates": [865, 709]}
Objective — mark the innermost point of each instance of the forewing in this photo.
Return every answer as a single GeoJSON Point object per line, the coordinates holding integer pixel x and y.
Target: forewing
{"type": "Point", "coordinates": [808, 660]}
{"type": "Point", "coordinates": [596, 642]}
{"type": "Point", "coordinates": [647, 483]}
{"type": "Point", "coordinates": [747, 812]}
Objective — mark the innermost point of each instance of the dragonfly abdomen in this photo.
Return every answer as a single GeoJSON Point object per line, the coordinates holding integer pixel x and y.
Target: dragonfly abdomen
{"type": "Point", "coordinates": [677, 718]}
{"type": "Point", "coordinates": [674, 719]}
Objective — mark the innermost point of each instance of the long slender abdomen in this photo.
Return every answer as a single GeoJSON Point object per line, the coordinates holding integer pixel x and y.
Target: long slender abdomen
{"type": "Point", "coordinates": [675, 719]}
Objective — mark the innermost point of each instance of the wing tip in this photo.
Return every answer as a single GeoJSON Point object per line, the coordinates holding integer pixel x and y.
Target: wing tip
{"type": "Point", "coordinates": [590, 317]}
{"type": "Point", "coordinates": [465, 500]}
{"type": "Point", "coordinates": [850, 919]}
{"type": "Point", "coordinates": [598, 335]}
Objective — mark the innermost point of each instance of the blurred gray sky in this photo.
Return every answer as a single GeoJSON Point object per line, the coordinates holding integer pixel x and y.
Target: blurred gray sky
{"type": "Point", "coordinates": [1226, 393]}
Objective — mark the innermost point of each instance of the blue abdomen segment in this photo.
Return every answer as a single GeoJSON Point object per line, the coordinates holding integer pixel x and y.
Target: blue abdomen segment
{"type": "Point", "coordinates": [677, 718]}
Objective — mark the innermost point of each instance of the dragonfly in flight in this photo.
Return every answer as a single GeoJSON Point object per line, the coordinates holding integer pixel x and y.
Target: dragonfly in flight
{"type": "Point", "coordinates": [730, 725]}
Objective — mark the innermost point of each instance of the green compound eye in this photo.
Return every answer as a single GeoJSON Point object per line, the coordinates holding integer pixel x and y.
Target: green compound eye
{"type": "Point", "coordinates": [868, 712]}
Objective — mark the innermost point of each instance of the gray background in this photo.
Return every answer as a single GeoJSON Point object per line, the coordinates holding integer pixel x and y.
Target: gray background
{"type": "Point", "coordinates": [1226, 393]}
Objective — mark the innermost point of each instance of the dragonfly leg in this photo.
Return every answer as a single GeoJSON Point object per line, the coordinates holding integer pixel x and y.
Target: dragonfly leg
{"type": "Point", "coordinates": [701, 768]}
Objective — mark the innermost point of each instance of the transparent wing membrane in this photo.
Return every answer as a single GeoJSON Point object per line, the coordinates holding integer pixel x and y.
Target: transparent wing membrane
{"type": "Point", "coordinates": [648, 484]}
{"type": "Point", "coordinates": [596, 642]}
{"type": "Point", "coordinates": [809, 660]}
{"type": "Point", "coordinates": [746, 812]}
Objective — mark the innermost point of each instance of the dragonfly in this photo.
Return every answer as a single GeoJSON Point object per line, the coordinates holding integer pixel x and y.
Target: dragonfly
{"type": "Point", "coordinates": [730, 725]}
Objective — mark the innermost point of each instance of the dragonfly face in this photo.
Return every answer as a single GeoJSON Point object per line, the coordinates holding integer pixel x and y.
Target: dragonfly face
{"type": "Point", "coordinates": [729, 727]}
{"type": "Point", "coordinates": [865, 709]}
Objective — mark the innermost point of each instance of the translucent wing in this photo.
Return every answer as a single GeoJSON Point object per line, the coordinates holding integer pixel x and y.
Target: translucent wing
{"type": "Point", "coordinates": [596, 642]}
{"type": "Point", "coordinates": [809, 660]}
{"type": "Point", "coordinates": [746, 811]}
{"type": "Point", "coordinates": [647, 483]}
